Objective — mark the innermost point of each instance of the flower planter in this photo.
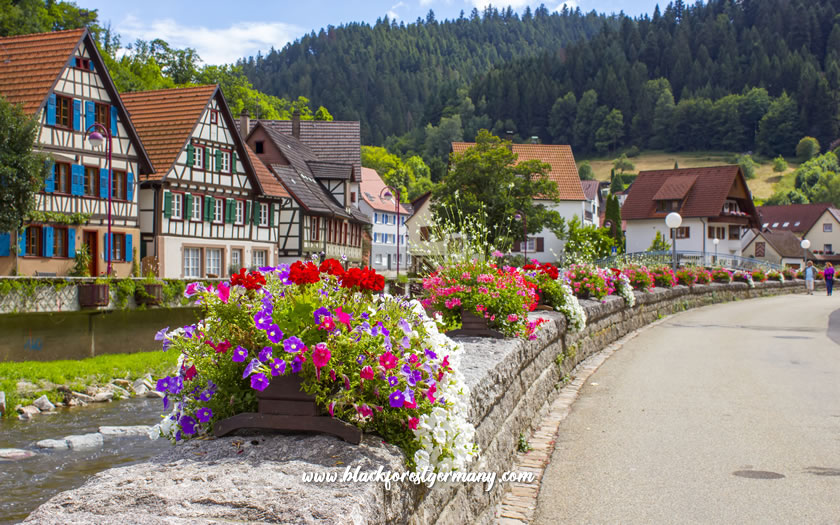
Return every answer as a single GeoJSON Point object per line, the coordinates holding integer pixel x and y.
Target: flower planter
{"type": "Point", "coordinates": [93, 295]}
{"type": "Point", "coordinates": [285, 407]}
{"type": "Point", "coordinates": [474, 326]}
{"type": "Point", "coordinates": [541, 304]}
{"type": "Point", "coordinates": [153, 294]}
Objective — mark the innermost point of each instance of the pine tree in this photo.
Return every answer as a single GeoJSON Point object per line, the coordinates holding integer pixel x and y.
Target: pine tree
{"type": "Point", "coordinates": [612, 220]}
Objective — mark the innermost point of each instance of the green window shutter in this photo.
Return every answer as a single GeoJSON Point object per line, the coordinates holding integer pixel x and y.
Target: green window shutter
{"type": "Point", "coordinates": [233, 162]}
{"type": "Point", "coordinates": [167, 204]}
{"type": "Point", "coordinates": [229, 211]}
{"type": "Point", "coordinates": [255, 217]}
{"type": "Point", "coordinates": [190, 154]}
{"type": "Point", "coordinates": [272, 208]}
{"type": "Point", "coordinates": [247, 212]}
{"type": "Point", "coordinates": [208, 208]}
{"type": "Point", "coordinates": [218, 160]}
{"type": "Point", "coordinates": [187, 207]}
{"type": "Point", "coordinates": [207, 165]}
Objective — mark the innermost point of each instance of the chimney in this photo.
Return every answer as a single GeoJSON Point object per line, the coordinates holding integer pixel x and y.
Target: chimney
{"type": "Point", "coordinates": [244, 124]}
{"type": "Point", "coordinates": [296, 124]}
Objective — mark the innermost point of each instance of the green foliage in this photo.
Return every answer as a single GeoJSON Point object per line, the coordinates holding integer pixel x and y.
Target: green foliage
{"type": "Point", "coordinates": [779, 164]}
{"type": "Point", "coordinates": [623, 164]}
{"type": "Point", "coordinates": [81, 262]}
{"type": "Point", "coordinates": [612, 213]}
{"type": "Point", "coordinates": [22, 17]}
{"type": "Point", "coordinates": [632, 152]}
{"type": "Point", "coordinates": [616, 183]}
{"type": "Point", "coordinates": [779, 127]}
{"type": "Point", "coordinates": [412, 176]}
{"type": "Point", "coordinates": [807, 149]}
{"type": "Point", "coordinates": [522, 444]}
{"type": "Point", "coordinates": [55, 217]}
{"type": "Point", "coordinates": [123, 290]}
{"type": "Point", "coordinates": [585, 171]}
{"type": "Point", "coordinates": [22, 170]}
{"type": "Point", "coordinates": [659, 243]}
{"type": "Point", "coordinates": [584, 244]}
{"type": "Point", "coordinates": [610, 133]}
{"type": "Point", "coordinates": [747, 166]}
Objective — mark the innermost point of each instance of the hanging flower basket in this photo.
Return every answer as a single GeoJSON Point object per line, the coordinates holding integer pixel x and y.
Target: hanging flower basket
{"type": "Point", "coordinates": [149, 294]}
{"type": "Point", "coordinates": [92, 295]}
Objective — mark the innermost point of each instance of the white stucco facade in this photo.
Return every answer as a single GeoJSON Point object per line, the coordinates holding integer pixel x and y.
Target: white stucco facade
{"type": "Point", "coordinates": [640, 235]}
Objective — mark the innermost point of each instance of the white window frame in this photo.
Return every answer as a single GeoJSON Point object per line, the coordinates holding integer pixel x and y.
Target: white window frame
{"type": "Point", "coordinates": [191, 263]}
{"type": "Point", "coordinates": [379, 258]}
{"type": "Point", "coordinates": [236, 258]}
{"type": "Point", "coordinates": [827, 227]}
{"type": "Point", "coordinates": [213, 261]}
{"type": "Point", "coordinates": [240, 212]}
{"type": "Point", "coordinates": [259, 254]}
{"type": "Point", "coordinates": [177, 206]}
{"type": "Point", "coordinates": [196, 210]}
{"type": "Point", "coordinates": [225, 162]}
{"type": "Point", "coordinates": [263, 214]}
{"type": "Point", "coordinates": [218, 211]}
{"type": "Point", "coordinates": [532, 244]}
{"type": "Point", "coordinates": [198, 157]}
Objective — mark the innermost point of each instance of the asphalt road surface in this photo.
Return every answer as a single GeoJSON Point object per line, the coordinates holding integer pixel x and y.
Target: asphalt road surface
{"type": "Point", "coordinates": [724, 414]}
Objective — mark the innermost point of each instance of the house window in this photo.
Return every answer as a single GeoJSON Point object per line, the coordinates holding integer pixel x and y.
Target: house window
{"type": "Point", "coordinates": [119, 247]}
{"type": "Point", "coordinates": [352, 196]}
{"type": "Point", "coordinates": [378, 258]}
{"type": "Point", "coordinates": [83, 63]}
{"type": "Point", "coordinates": [717, 232]}
{"type": "Point", "coordinates": [668, 206]}
{"type": "Point", "coordinates": [214, 262]}
{"type": "Point", "coordinates": [63, 110]}
{"type": "Point", "coordinates": [235, 261]}
{"type": "Point", "coordinates": [827, 227]}
{"type": "Point", "coordinates": [33, 241]}
{"type": "Point", "coordinates": [198, 157]}
{"type": "Point", "coordinates": [240, 212]}
{"type": "Point", "coordinates": [827, 249]}
{"type": "Point", "coordinates": [424, 233]}
{"type": "Point", "coordinates": [214, 116]}
{"type": "Point", "coordinates": [218, 210]}
{"type": "Point", "coordinates": [177, 206]}
{"type": "Point", "coordinates": [192, 262]}
{"type": "Point", "coordinates": [316, 228]}
{"type": "Point", "coordinates": [102, 115]}
{"type": "Point", "coordinates": [263, 214]}
{"type": "Point", "coordinates": [118, 187]}
{"type": "Point", "coordinates": [225, 162]}
{"type": "Point", "coordinates": [259, 258]}
{"type": "Point", "coordinates": [259, 147]}
{"type": "Point", "coordinates": [91, 181]}
{"type": "Point", "coordinates": [759, 249]}
{"type": "Point", "coordinates": [375, 218]}
{"type": "Point", "coordinates": [683, 232]}
{"type": "Point", "coordinates": [62, 179]}
{"type": "Point", "coordinates": [734, 232]}
{"type": "Point", "coordinates": [196, 212]}
{"type": "Point", "coordinates": [59, 242]}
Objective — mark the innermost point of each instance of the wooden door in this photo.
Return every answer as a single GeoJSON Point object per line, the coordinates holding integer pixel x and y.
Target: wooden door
{"type": "Point", "coordinates": [91, 241]}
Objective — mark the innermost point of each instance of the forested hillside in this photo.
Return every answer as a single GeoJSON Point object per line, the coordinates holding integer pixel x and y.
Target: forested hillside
{"type": "Point", "coordinates": [395, 77]}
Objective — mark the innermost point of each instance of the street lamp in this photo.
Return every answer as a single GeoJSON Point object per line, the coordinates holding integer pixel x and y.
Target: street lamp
{"type": "Point", "coordinates": [96, 139]}
{"type": "Point", "coordinates": [524, 219]}
{"type": "Point", "coordinates": [673, 221]}
{"type": "Point", "coordinates": [716, 242]}
{"type": "Point", "coordinates": [805, 244]}
{"type": "Point", "coordinates": [388, 192]}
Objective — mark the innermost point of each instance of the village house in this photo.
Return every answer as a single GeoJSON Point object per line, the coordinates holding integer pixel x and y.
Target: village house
{"type": "Point", "coordinates": [319, 164]}
{"type": "Point", "coordinates": [714, 203]}
{"type": "Point", "coordinates": [390, 248]}
{"type": "Point", "coordinates": [819, 223]}
{"type": "Point", "coordinates": [594, 204]}
{"type": "Point", "coordinates": [211, 207]}
{"type": "Point", "coordinates": [61, 79]}
{"type": "Point", "coordinates": [776, 247]}
{"type": "Point", "coordinates": [545, 246]}
{"type": "Point", "coordinates": [418, 227]}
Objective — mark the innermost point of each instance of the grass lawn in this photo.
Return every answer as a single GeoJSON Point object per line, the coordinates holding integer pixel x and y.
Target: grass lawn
{"type": "Point", "coordinates": [762, 186]}
{"type": "Point", "coordinates": [79, 374]}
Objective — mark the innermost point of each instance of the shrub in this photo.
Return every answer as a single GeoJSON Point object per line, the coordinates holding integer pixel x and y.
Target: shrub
{"type": "Point", "coordinates": [744, 277]}
{"type": "Point", "coordinates": [747, 166]}
{"type": "Point", "coordinates": [686, 277]}
{"type": "Point", "coordinates": [779, 164]}
{"type": "Point", "coordinates": [721, 275]}
{"type": "Point", "coordinates": [556, 293]}
{"type": "Point", "coordinates": [789, 273]}
{"type": "Point", "coordinates": [664, 277]}
{"type": "Point", "coordinates": [702, 276]}
{"type": "Point", "coordinates": [588, 281]}
{"type": "Point", "coordinates": [640, 278]}
{"type": "Point", "coordinates": [585, 171]}
{"type": "Point", "coordinates": [632, 151]}
{"type": "Point", "coordinates": [759, 275]}
{"type": "Point", "coordinates": [774, 275]}
{"type": "Point", "coordinates": [808, 148]}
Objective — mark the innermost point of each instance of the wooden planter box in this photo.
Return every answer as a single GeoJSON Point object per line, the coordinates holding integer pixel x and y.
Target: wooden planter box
{"type": "Point", "coordinates": [541, 304]}
{"type": "Point", "coordinates": [153, 295]}
{"type": "Point", "coordinates": [92, 295]}
{"type": "Point", "coordinates": [474, 326]}
{"type": "Point", "coordinates": [284, 406]}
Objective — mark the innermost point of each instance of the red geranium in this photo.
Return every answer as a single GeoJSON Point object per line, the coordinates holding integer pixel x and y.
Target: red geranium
{"type": "Point", "coordinates": [332, 267]}
{"type": "Point", "coordinates": [365, 278]}
{"type": "Point", "coordinates": [251, 281]}
{"type": "Point", "coordinates": [300, 273]}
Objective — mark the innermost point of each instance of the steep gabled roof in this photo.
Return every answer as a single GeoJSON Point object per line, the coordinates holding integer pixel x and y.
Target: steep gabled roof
{"type": "Point", "coordinates": [786, 243]}
{"type": "Point", "coordinates": [590, 189]}
{"type": "Point", "coordinates": [271, 186]}
{"type": "Point", "coordinates": [165, 119]}
{"type": "Point", "coordinates": [308, 192]}
{"type": "Point", "coordinates": [371, 187]}
{"type": "Point", "coordinates": [704, 198]}
{"type": "Point", "coordinates": [563, 171]}
{"type": "Point", "coordinates": [798, 218]}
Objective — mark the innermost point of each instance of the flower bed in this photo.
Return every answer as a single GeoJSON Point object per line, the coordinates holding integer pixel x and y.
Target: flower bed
{"type": "Point", "coordinates": [702, 275]}
{"type": "Point", "coordinates": [663, 277]}
{"type": "Point", "coordinates": [789, 274]}
{"type": "Point", "coordinates": [759, 275]}
{"type": "Point", "coordinates": [374, 361]}
{"type": "Point", "coordinates": [721, 275]}
{"type": "Point", "coordinates": [744, 277]}
{"type": "Point", "coordinates": [589, 282]}
{"type": "Point", "coordinates": [774, 275]}
{"type": "Point", "coordinates": [686, 276]}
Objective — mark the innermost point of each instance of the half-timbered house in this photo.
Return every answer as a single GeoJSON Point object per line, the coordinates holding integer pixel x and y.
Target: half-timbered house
{"type": "Point", "coordinates": [61, 79]}
{"type": "Point", "coordinates": [319, 164]}
{"type": "Point", "coordinates": [211, 207]}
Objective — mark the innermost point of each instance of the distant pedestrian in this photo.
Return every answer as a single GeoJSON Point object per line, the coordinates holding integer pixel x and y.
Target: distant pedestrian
{"type": "Point", "coordinates": [829, 277]}
{"type": "Point", "coordinates": [810, 274]}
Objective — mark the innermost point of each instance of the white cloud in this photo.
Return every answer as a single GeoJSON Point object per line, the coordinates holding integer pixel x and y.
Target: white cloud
{"type": "Point", "coordinates": [214, 46]}
{"type": "Point", "coordinates": [571, 4]}
{"type": "Point", "coordinates": [392, 13]}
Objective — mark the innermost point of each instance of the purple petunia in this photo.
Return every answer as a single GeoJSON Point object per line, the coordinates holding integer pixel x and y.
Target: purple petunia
{"type": "Point", "coordinates": [321, 312]}
{"type": "Point", "coordinates": [239, 355]}
{"type": "Point", "coordinates": [405, 326]}
{"type": "Point", "coordinates": [275, 335]}
{"type": "Point", "coordinates": [278, 367]}
{"type": "Point", "coordinates": [360, 359]}
{"type": "Point", "coordinates": [414, 377]}
{"type": "Point", "coordinates": [430, 354]}
{"type": "Point", "coordinates": [176, 384]}
{"type": "Point", "coordinates": [259, 382]}
{"type": "Point", "coordinates": [262, 320]}
{"type": "Point", "coordinates": [187, 425]}
{"type": "Point", "coordinates": [189, 330]}
{"type": "Point", "coordinates": [397, 399]}
{"type": "Point", "coordinates": [292, 345]}
{"type": "Point", "coordinates": [166, 402]}
{"type": "Point", "coordinates": [406, 342]}
{"type": "Point", "coordinates": [206, 395]}
{"type": "Point", "coordinates": [162, 384]}
{"type": "Point", "coordinates": [393, 381]}
{"type": "Point", "coordinates": [265, 354]}
{"type": "Point", "coordinates": [204, 414]}
{"type": "Point", "coordinates": [252, 366]}
{"type": "Point", "coordinates": [160, 335]}
{"type": "Point", "coordinates": [297, 364]}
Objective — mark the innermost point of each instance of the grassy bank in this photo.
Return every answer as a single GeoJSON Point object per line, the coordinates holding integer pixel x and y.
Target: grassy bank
{"type": "Point", "coordinates": [765, 183]}
{"type": "Point", "coordinates": [78, 374]}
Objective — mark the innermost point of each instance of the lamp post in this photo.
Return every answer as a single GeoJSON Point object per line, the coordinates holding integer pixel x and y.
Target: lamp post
{"type": "Point", "coordinates": [389, 192]}
{"type": "Point", "coordinates": [673, 221]}
{"type": "Point", "coordinates": [716, 242]}
{"type": "Point", "coordinates": [96, 139]}
{"type": "Point", "coordinates": [524, 218]}
{"type": "Point", "coordinates": [805, 244]}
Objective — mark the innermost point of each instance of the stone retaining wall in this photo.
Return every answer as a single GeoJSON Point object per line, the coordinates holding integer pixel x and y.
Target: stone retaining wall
{"type": "Point", "coordinates": [258, 478]}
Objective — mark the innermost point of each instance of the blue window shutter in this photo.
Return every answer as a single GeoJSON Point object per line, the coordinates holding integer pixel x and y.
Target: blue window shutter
{"type": "Point", "coordinates": [71, 242]}
{"type": "Point", "coordinates": [90, 113]}
{"type": "Point", "coordinates": [129, 186]}
{"type": "Point", "coordinates": [103, 183]}
{"type": "Point", "coordinates": [92, 67]}
{"type": "Point", "coordinates": [111, 245]}
{"type": "Point", "coordinates": [47, 232]}
{"type": "Point", "coordinates": [77, 179]}
{"type": "Point", "coordinates": [51, 110]}
{"type": "Point", "coordinates": [113, 121]}
{"type": "Point", "coordinates": [375, 218]}
{"type": "Point", "coordinates": [49, 184]}
{"type": "Point", "coordinates": [128, 247]}
{"type": "Point", "coordinates": [22, 242]}
{"type": "Point", "coordinates": [5, 244]}
{"type": "Point", "coordinates": [77, 114]}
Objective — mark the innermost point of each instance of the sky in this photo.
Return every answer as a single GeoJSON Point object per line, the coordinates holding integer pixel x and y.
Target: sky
{"type": "Point", "coordinates": [223, 31]}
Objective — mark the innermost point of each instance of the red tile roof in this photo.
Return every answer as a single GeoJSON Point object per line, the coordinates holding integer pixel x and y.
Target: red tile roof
{"type": "Point", "coordinates": [786, 243]}
{"type": "Point", "coordinates": [563, 171]}
{"type": "Point", "coordinates": [675, 187]}
{"type": "Point", "coordinates": [370, 188]}
{"type": "Point", "coordinates": [705, 198]}
{"type": "Point", "coordinates": [798, 218]}
{"type": "Point", "coordinates": [268, 182]}
{"type": "Point", "coordinates": [165, 120]}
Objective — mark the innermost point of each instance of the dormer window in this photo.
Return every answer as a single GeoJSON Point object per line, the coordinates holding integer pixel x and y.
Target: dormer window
{"type": "Point", "coordinates": [731, 207]}
{"type": "Point", "coordinates": [666, 206]}
{"type": "Point", "coordinates": [83, 63]}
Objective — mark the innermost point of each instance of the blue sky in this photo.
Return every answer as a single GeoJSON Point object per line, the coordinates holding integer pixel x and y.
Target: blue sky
{"type": "Point", "coordinates": [222, 31]}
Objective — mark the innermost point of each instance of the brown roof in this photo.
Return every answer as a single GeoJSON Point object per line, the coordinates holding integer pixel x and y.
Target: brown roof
{"type": "Point", "coordinates": [798, 218]}
{"type": "Point", "coordinates": [705, 198]}
{"type": "Point", "coordinates": [563, 171]}
{"type": "Point", "coordinates": [271, 186]}
{"type": "Point", "coordinates": [786, 243]}
{"type": "Point", "coordinates": [371, 187]}
{"type": "Point", "coordinates": [165, 120]}
{"type": "Point", "coordinates": [675, 187]}
{"type": "Point", "coordinates": [590, 189]}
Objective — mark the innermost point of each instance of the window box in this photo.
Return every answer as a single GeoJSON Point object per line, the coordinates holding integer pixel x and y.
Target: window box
{"type": "Point", "coordinates": [149, 294]}
{"type": "Point", "coordinates": [92, 295]}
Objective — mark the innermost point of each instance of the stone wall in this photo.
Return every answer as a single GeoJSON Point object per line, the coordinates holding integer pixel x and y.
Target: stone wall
{"type": "Point", "coordinates": [259, 477]}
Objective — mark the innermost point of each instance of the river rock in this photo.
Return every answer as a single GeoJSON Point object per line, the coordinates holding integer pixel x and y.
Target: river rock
{"type": "Point", "coordinates": [103, 397]}
{"type": "Point", "coordinates": [136, 430]}
{"type": "Point", "coordinates": [73, 402]}
{"type": "Point", "coordinates": [84, 441]}
{"type": "Point", "coordinates": [2, 403]}
{"type": "Point", "coordinates": [141, 386]}
{"type": "Point", "coordinates": [43, 404]}
{"type": "Point", "coordinates": [52, 443]}
{"type": "Point", "coordinates": [28, 411]}
{"type": "Point", "coordinates": [82, 397]}
{"type": "Point", "coordinates": [125, 383]}
{"type": "Point", "coordinates": [155, 393]}
{"type": "Point", "coordinates": [118, 390]}
{"type": "Point", "coordinates": [14, 454]}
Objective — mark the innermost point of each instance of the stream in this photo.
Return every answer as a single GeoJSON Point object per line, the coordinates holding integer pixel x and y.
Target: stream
{"type": "Point", "coordinates": [27, 483]}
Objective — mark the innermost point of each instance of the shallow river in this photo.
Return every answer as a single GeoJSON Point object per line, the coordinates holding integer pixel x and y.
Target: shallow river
{"type": "Point", "coordinates": [27, 483]}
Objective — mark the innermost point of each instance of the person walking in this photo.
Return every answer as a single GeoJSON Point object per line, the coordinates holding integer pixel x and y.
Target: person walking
{"type": "Point", "coordinates": [810, 274]}
{"type": "Point", "coordinates": [829, 278]}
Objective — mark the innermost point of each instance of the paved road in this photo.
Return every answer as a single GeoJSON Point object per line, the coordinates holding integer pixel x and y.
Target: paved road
{"type": "Point", "coordinates": [661, 428]}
